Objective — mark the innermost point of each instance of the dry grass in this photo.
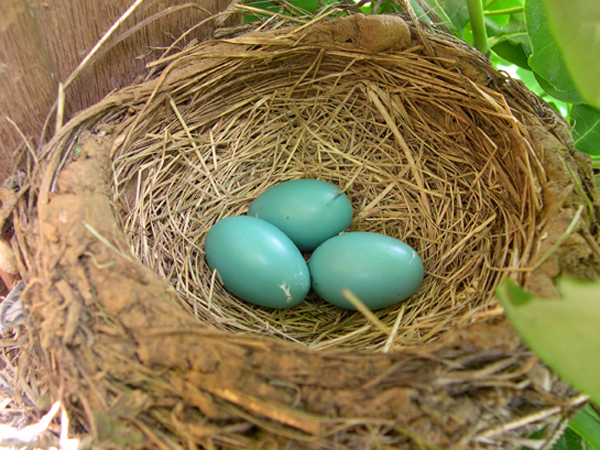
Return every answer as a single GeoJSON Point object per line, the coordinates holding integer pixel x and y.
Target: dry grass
{"type": "Point", "coordinates": [424, 154]}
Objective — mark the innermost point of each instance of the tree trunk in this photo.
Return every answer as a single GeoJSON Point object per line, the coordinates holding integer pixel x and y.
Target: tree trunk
{"type": "Point", "coordinates": [42, 42]}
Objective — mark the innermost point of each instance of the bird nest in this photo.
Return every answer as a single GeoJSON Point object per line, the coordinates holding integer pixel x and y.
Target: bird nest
{"type": "Point", "coordinates": [133, 333]}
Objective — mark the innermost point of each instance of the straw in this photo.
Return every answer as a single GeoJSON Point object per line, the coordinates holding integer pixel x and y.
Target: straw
{"type": "Point", "coordinates": [413, 147]}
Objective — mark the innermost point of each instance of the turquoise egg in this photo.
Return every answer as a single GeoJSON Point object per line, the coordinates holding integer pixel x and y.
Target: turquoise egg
{"type": "Point", "coordinates": [257, 262]}
{"type": "Point", "coordinates": [308, 211]}
{"type": "Point", "coordinates": [380, 270]}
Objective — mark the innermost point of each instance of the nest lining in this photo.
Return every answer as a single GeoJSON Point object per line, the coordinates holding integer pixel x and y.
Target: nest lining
{"type": "Point", "coordinates": [425, 155]}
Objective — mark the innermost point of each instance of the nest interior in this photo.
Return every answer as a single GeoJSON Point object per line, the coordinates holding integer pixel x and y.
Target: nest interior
{"type": "Point", "coordinates": [431, 145]}
{"type": "Point", "coordinates": [425, 154]}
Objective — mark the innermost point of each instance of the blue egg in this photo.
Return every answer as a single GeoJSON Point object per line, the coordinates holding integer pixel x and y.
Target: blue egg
{"type": "Point", "coordinates": [308, 211]}
{"type": "Point", "coordinates": [380, 270]}
{"type": "Point", "coordinates": [257, 262]}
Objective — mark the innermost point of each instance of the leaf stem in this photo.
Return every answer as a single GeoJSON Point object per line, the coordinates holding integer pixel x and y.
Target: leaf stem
{"type": "Point", "coordinates": [499, 12]}
{"type": "Point", "coordinates": [480, 40]}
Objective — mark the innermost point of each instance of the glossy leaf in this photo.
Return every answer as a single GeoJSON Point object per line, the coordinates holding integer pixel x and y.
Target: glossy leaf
{"type": "Point", "coordinates": [546, 60]}
{"type": "Point", "coordinates": [575, 25]}
{"type": "Point", "coordinates": [586, 133]}
{"type": "Point", "coordinates": [562, 332]}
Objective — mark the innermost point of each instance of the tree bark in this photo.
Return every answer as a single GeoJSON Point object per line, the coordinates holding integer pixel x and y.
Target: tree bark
{"type": "Point", "coordinates": [42, 42]}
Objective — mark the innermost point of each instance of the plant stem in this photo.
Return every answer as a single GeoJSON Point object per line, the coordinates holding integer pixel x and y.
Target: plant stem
{"type": "Point", "coordinates": [500, 12]}
{"type": "Point", "coordinates": [480, 40]}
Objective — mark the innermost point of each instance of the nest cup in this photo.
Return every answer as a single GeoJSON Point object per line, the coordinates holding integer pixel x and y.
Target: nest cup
{"type": "Point", "coordinates": [431, 145]}
{"type": "Point", "coordinates": [427, 153]}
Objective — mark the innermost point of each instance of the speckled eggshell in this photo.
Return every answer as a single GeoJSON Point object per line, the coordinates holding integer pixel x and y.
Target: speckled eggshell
{"type": "Point", "coordinates": [380, 270]}
{"type": "Point", "coordinates": [308, 211]}
{"type": "Point", "coordinates": [257, 262]}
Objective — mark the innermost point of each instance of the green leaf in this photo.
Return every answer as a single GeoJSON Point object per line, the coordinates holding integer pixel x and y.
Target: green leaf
{"type": "Point", "coordinates": [546, 60]}
{"type": "Point", "coordinates": [586, 132]}
{"type": "Point", "coordinates": [368, 8]}
{"type": "Point", "coordinates": [514, 53]}
{"type": "Point", "coordinates": [302, 7]}
{"type": "Point", "coordinates": [310, 6]}
{"type": "Point", "coordinates": [587, 425]}
{"type": "Point", "coordinates": [575, 25]}
{"type": "Point", "coordinates": [516, 31]}
{"type": "Point", "coordinates": [568, 96]}
{"type": "Point", "coordinates": [499, 7]}
{"type": "Point", "coordinates": [564, 332]}
{"type": "Point", "coordinates": [571, 441]}
{"type": "Point", "coordinates": [511, 42]}
{"type": "Point", "coordinates": [456, 10]}
{"type": "Point", "coordinates": [383, 9]}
